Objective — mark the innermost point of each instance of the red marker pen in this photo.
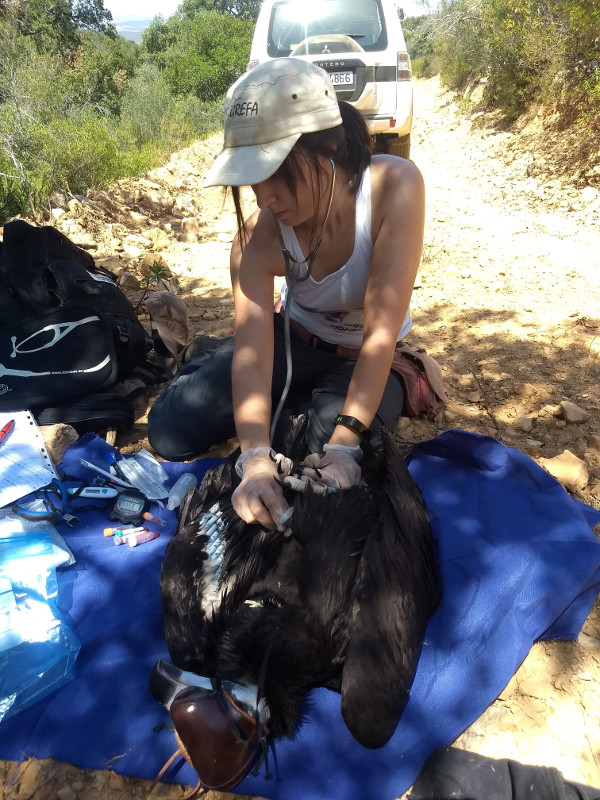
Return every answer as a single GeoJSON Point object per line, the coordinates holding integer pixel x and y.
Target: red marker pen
{"type": "Point", "coordinates": [6, 431]}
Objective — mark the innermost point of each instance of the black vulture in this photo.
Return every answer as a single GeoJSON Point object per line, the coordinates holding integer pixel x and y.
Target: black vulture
{"type": "Point", "coordinates": [341, 600]}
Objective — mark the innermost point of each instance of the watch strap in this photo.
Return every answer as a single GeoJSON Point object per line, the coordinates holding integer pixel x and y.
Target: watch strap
{"type": "Point", "coordinates": [355, 425]}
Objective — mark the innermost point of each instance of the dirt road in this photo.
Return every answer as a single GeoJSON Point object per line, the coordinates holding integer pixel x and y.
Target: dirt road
{"type": "Point", "coordinates": [508, 300]}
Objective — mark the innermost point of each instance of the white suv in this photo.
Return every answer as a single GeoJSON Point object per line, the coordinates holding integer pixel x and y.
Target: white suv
{"type": "Point", "coordinates": [361, 45]}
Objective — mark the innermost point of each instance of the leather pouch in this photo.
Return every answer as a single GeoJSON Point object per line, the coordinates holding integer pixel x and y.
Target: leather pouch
{"type": "Point", "coordinates": [218, 738]}
{"type": "Point", "coordinates": [423, 382]}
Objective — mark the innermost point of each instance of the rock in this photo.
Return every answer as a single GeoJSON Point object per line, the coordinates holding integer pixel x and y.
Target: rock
{"type": "Point", "coordinates": [189, 230]}
{"type": "Point", "coordinates": [116, 781]}
{"type": "Point", "coordinates": [156, 203]}
{"type": "Point", "coordinates": [56, 212]}
{"type": "Point", "coordinates": [183, 206]}
{"type": "Point", "coordinates": [158, 238]}
{"type": "Point", "coordinates": [134, 220]}
{"type": "Point", "coordinates": [594, 442]}
{"type": "Point", "coordinates": [532, 688]}
{"type": "Point", "coordinates": [57, 438]}
{"type": "Point", "coordinates": [524, 424]}
{"type": "Point", "coordinates": [136, 240]}
{"type": "Point", "coordinates": [131, 251]}
{"type": "Point", "coordinates": [569, 470]}
{"type": "Point", "coordinates": [573, 413]}
{"type": "Point", "coordinates": [209, 315]}
{"type": "Point", "coordinates": [589, 642]}
{"type": "Point", "coordinates": [66, 793]}
{"type": "Point", "coordinates": [527, 390]}
{"type": "Point", "coordinates": [534, 447]}
{"type": "Point", "coordinates": [532, 170]}
{"type": "Point", "coordinates": [129, 281]}
{"type": "Point", "coordinates": [70, 227]}
{"type": "Point", "coordinates": [488, 376]}
{"type": "Point", "coordinates": [551, 410]}
{"type": "Point", "coordinates": [589, 194]}
{"type": "Point", "coordinates": [84, 240]}
{"type": "Point", "coordinates": [474, 397]}
{"type": "Point", "coordinates": [112, 263]}
{"type": "Point", "coordinates": [57, 200]}
{"type": "Point", "coordinates": [107, 203]}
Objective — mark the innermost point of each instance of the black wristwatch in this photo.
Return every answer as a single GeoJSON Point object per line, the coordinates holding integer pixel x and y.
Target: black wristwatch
{"type": "Point", "coordinates": [355, 425]}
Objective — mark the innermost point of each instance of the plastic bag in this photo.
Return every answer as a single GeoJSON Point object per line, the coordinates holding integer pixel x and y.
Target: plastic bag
{"type": "Point", "coordinates": [145, 472]}
{"type": "Point", "coordinates": [12, 524]}
{"type": "Point", "coordinates": [37, 648]}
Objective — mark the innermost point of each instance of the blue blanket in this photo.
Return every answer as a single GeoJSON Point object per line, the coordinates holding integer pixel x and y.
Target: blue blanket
{"type": "Point", "coordinates": [519, 563]}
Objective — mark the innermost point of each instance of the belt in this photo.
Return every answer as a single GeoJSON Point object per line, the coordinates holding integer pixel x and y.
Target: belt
{"type": "Point", "coordinates": [320, 344]}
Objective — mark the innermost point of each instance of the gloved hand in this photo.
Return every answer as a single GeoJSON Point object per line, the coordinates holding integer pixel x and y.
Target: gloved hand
{"type": "Point", "coordinates": [259, 498]}
{"type": "Point", "coordinates": [336, 468]}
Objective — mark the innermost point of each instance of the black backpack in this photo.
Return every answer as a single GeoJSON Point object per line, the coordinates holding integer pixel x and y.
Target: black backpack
{"type": "Point", "coordinates": [67, 332]}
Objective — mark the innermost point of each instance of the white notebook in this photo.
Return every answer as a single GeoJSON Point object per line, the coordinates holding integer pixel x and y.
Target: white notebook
{"type": "Point", "coordinates": [25, 464]}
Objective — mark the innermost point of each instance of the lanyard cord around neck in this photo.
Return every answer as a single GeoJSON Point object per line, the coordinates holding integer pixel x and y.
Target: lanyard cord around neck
{"type": "Point", "coordinates": [292, 281]}
{"type": "Point", "coordinates": [310, 258]}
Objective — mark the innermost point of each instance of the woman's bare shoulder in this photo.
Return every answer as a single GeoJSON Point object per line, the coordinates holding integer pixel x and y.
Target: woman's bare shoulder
{"type": "Point", "coordinates": [262, 246]}
{"type": "Point", "coordinates": [396, 186]}
{"type": "Point", "coordinates": [392, 173]}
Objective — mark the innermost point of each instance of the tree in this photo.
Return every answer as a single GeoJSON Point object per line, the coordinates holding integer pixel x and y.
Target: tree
{"type": "Point", "coordinates": [55, 24]}
{"type": "Point", "coordinates": [242, 9]}
{"type": "Point", "coordinates": [102, 69]}
{"type": "Point", "coordinates": [202, 55]}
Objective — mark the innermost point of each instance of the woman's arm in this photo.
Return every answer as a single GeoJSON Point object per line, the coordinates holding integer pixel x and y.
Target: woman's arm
{"type": "Point", "coordinates": [258, 497]}
{"type": "Point", "coordinates": [398, 218]}
{"type": "Point", "coordinates": [253, 271]}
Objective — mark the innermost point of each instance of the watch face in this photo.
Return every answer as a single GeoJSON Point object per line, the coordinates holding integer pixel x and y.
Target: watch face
{"type": "Point", "coordinates": [128, 507]}
{"type": "Point", "coordinates": [130, 504]}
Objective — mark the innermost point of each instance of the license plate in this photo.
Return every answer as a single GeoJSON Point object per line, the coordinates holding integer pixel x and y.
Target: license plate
{"type": "Point", "coordinates": [345, 79]}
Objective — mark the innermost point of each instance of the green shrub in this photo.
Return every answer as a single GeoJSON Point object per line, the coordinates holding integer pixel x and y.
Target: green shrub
{"type": "Point", "coordinates": [13, 194]}
{"type": "Point", "coordinates": [526, 49]}
{"type": "Point", "coordinates": [201, 55]}
{"type": "Point", "coordinates": [190, 118]}
{"type": "Point", "coordinates": [145, 102]}
{"type": "Point", "coordinates": [419, 33]}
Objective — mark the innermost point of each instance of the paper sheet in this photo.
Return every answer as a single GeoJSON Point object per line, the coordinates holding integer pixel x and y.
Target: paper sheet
{"type": "Point", "coordinates": [25, 464]}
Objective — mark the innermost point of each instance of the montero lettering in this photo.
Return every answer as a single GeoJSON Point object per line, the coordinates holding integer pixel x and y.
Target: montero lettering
{"type": "Point", "coordinates": [244, 109]}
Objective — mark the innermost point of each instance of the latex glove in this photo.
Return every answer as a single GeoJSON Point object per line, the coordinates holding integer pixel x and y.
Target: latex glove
{"type": "Point", "coordinates": [259, 498]}
{"type": "Point", "coordinates": [336, 468]}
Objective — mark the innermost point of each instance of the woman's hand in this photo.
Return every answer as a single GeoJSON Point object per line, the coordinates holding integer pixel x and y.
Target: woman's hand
{"type": "Point", "coordinates": [336, 468]}
{"type": "Point", "coordinates": [259, 497]}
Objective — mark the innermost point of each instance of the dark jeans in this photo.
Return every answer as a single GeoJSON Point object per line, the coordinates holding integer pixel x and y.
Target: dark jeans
{"type": "Point", "coordinates": [196, 409]}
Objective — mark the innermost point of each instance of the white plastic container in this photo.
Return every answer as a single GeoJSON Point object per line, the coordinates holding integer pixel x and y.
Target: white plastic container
{"type": "Point", "coordinates": [177, 493]}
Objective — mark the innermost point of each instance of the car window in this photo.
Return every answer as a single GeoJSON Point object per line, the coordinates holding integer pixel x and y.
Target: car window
{"type": "Point", "coordinates": [292, 21]}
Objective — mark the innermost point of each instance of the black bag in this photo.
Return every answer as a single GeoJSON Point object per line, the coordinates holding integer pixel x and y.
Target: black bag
{"type": "Point", "coordinates": [66, 329]}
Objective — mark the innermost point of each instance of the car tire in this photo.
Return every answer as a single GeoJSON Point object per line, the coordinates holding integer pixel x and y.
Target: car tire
{"type": "Point", "coordinates": [399, 146]}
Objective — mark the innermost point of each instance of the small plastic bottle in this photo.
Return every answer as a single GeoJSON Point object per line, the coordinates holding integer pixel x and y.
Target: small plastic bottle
{"type": "Point", "coordinates": [184, 482]}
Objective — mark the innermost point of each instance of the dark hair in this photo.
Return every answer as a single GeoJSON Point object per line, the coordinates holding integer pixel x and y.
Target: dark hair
{"type": "Point", "coordinates": [348, 145]}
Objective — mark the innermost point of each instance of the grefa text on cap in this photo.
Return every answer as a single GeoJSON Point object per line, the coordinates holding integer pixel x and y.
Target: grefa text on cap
{"type": "Point", "coordinates": [244, 109]}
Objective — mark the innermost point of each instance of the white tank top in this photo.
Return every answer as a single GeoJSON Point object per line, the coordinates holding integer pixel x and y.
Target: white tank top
{"type": "Point", "coordinates": [333, 308]}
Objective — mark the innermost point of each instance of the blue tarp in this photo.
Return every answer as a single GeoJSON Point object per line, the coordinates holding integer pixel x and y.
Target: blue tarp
{"type": "Point", "coordinates": [519, 563]}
